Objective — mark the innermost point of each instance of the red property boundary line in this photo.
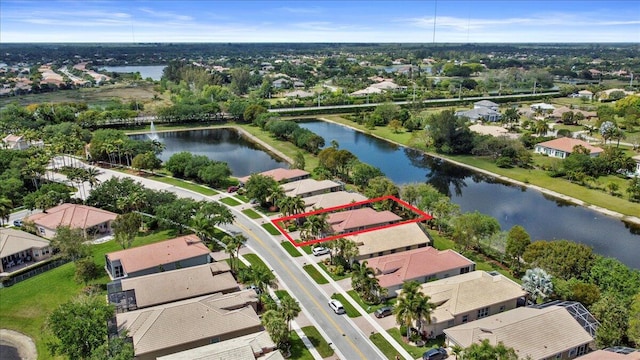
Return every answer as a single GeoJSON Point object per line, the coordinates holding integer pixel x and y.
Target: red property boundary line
{"type": "Point", "coordinates": [422, 217]}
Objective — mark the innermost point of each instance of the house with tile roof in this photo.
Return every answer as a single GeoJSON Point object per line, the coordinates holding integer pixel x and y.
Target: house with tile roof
{"type": "Point", "coordinates": [563, 147]}
{"type": "Point", "coordinates": [18, 142]}
{"type": "Point", "coordinates": [310, 187]}
{"type": "Point", "coordinates": [539, 333]}
{"type": "Point", "coordinates": [93, 222]}
{"type": "Point", "coordinates": [139, 292]}
{"type": "Point", "coordinates": [611, 354]}
{"type": "Point", "coordinates": [348, 221]}
{"type": "Point", "coordinates": [390, 240]}
{"type": "Point", "coordinates": [256, 346]}
{"type": "Point", "coordinates": [188, 324]}
{"type": "Point", "coordinates": [281, 175]}
{"type": "Point", "coordinates": [181, 252]}
{"type": "Point", "coordinates": [421, 265]}
{"type": "Point", "coordinates": [332, 199]}
{"type": "Point", "coordinates": [469, 297]}
{"type": "Point", "coordinates": [19, 249]}
{"type": "Point", "coordinates": [636, 158]}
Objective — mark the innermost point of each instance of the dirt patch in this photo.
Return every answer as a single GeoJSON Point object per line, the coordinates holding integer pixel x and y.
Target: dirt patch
{"type": "Point", "coordinates": [23, 345]}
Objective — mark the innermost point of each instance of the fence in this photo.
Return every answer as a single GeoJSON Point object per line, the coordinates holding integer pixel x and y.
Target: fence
{"type": "Point", "coordinates": [14, 279]}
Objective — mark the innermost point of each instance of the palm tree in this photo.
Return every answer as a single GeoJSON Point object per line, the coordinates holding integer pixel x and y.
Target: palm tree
{"type": "Point", "coordinates": [202, 227]}
{"type": "Point", "coordinates": [227, 239]}
{"type": "Point", "coordinates": [359, 272]}
{"type": "Point", "coordinates": [537, 283]}
{"type": "Point", "coordinates": [541, 127]}
{"type": "Point", "coordinates": [316, 225]}
{"type": "Point", "coordinates": [285, 205]}
{"type": "Point", "coordinates": [5, 209]}
{"type": "Point", "coordinates": [289, 308]}
{"type": "Point", "coordinates": [276, 326]}
{"type": "Point", "coordinates": [91, 174]}
{"type": "Point", "coordinates": [412, 305]}
{"type": "Point", "coordinates": [276, 193]}
{"type": "Point", "coordinates": [298, 205]}
{"type": "Point", "coordinates": [263, 278]}
{"type": "Point", "coordinates": [236, 242]}
{"type": "Point", "coordinates": [511, 115]}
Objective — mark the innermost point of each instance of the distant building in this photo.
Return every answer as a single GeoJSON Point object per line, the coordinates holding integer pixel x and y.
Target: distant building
{"type": "Point", "coordinates": [310, 187]}
{"type": "Point", "coordinates": [17, 142]}
{"type": "Point", "coordinates": [486, 104]}
{"type": "Point", "coordinates": [281, 175]}
{"type": "Point", "coordinates": [480, 114]}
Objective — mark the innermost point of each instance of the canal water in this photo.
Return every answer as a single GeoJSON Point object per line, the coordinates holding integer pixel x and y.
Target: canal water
{"type": "Point", "coordinates": [544, 217]}
{"type": "Point", "coordinates": [146, 71]}
{"type": "Point", "coordinates": [244, 157]}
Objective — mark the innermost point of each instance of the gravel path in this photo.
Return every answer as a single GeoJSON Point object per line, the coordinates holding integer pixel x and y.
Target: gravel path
{"type": "Point", "coordinates": [22, 343]}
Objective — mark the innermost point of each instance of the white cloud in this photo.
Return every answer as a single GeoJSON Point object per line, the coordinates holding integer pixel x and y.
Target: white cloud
{"type": "Point", "coordinates": [301, 10]}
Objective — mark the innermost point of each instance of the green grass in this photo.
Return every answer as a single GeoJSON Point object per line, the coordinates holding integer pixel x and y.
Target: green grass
{"type": "Point", "coordinates": [242, 198]}
{"type": "Point", "coordinates": [315, 274]}
{"type": "Point", "coordinates": [307, 249]}
{"type": "Point", "coordinates": [415, 351]}
{"type": "Point", "coordinates": [255, 260]}
{"type": "Point", "coordinates": [298, 350]}
{"type": "Point", "coordinates": [229, 201]}
{"type": "Point", "coordinates": [367, 307]}
{"type": "Point", "coordinates": [387, 349]}
{"type": "Point", "coordinates": [318, 341]}
{"type": "Point", "coordinates": [332, 275]}
{"type": "Point", "coordinates": [252, 214]}
{"type": "Point", "coordinates": [271, 229]}
{"type": "Point", "coordinates": [26, 305]}
{"type": "Point", "coordinates": [351, 311]}
{"type": "Point", "coordinates": [288, 246]}
{"type": "Point", "coordinates": [281, 294]}
{"type": "Point", "coordinates": [200, 189]}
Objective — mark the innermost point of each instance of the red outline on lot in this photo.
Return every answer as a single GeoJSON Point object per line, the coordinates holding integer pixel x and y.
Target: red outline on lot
{"type": "Point", "coordinates": [423, 216]}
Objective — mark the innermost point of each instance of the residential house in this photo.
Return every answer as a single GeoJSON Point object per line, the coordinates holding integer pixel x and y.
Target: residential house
{"type": "Point", "coordinates": [367, 91]}
{"type": "Point", "coordinates": [421, 265]}
{"type": "Point", "coordinates": [17, 142]}
{"type": "Point", "coordinates": [93, 222]}
{"type": "Point", "coordinates": [388, 85]}
{"type": "Point", "coordinates": [348, 221]}
{"type": "Point", "coordinates": [19, 249]}
{"type": "Point", "coordinates": [281, 175]}
{"type": "Point", "coordinates": [606, 94]}
{"type": "Point", "coordinates": [612, 354]}
{"type": "Point", "coordinates": [480, 114]}
{"type": "Point", "coordinates": [188, 324]}
{"type": "Point", "coordinates": [468, 297]}
{"type": "Point", "coordinates": [557, 113]}
{"type": "Point", "coordinates": [585, 94]}
{"type": "Point", "coordinates": [181, 252]}
{"type": "Point", "coordinates": [332, 199]}
{"type": "Point", "coordinates": [542, 107]}
{"type": "Point", "coordinates": [281, 83]}
{"type": "Point", "coordinates": [139, 292]}
{"type": "Point", "coordinates": [390, 240]}
{"type": "Point", "coordinates": [310, 187]}
{"type": "Point", "coordinates": [301, 94]}
{"type": "Point", "coordinates": [636, 158]}
{"type": "Point", "coordinates": [256, 346]}
{"type": "Point", "coordinates": [562, 331]}
{"type": "Point", "coordinates": [486, 104]}
{"type": "Point", "coordinates": [563, 147]}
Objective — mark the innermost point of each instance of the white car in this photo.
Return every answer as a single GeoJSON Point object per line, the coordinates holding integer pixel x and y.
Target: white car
{"type": "Point", "coordinates": [317, 251]}
{"type": "Point", "coordinates": [336, 306]}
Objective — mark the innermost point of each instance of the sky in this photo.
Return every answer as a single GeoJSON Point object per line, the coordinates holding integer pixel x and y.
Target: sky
{"type": "Point", "coordinates": [471, 21]}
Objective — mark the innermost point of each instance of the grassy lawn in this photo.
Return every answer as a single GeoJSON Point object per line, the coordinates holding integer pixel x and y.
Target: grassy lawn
{"type": "Point", "coordinates": [415, 351]}
{"type": "Point", "coordinates": [281, 294]}
{"type": "Point", "coordinates": [25, 306]}
{"type": "Point", "coordinates": [387, 349]}
{"type": "Point", "coordinates": [252, 214]}
{"type": "Point", "coordinates": [271, 229]}
{"type": "Point", "coordinates": [366, 307]}
{"type": "Point", "coordinates": [318, 341]}
{"type": "Point", "coordinates": [242, 198]}
{"type": "Point", "coordinates": [315, 274]}
{"type": "Point", "coordinates": [229, 201]}
{"type": "Point", "coordinates": [287, 245]}
{"type": "Point", "coordinates": [298, 350]}
{"type": "Point", "coordinates": [200, 189]}
{"type": "Point", "coordinates": [332, 275]}
{"type": "Point", "coordinates": [348, 308]}
{"type": "Point", "coordinates": [307, 249]}
{"type": "Point", "coordinates": [255, 260]}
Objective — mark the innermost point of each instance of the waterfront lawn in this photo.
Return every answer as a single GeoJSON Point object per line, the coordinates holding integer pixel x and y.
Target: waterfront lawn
{"type": "Point", "coordinates": [298, 349]}
{"type": "Point", "coordinates": [251, 214]}
{"type": "Point", "coordinates": [287, 245]}
{"type": "Point", "coordinates": [200, 189]}
{"type": "Point", "coordinates": [255, 260]}
{"type": "Point", "coordinates": [348, 308]}
{"type": "Point", "coordinates": [387, 349]}
{"type": "Point", "coordinates": [229, 201]}
{"type": "Point", "coordinates": [271, 229]}
{"type": "Point", "coordinates": [26, 305]}
{"type": "Point", "coordinates": [318, 341]}
{"type": "Point", "coordinates": [315, 275]}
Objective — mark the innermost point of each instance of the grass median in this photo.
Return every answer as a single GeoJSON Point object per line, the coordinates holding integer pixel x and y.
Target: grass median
{"type": "Point", "coordinates": [351, 311]}
{"type": "Point", "coordinates": [255, 260]}
{"type": "Point", "coordinates": [387, 349]}
{"type": "Point", "coordinates": [229, 201]}
{"type": "Point", "coordinates": [251, 214]}
{"type": "Point", "coordinates": [315, 274]}
{"type": "Point", "coordinates": [271, 229]}
{"type": "Point", "coordinates": [318, 341]}
{"type": "Point", "coordinates": [288, 246]}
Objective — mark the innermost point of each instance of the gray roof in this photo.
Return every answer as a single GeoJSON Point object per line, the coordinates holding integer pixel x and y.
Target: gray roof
{"type": "Point", "coordinates": [485, 103]}
{"type": "Point", "coordinates": [13, 241]}
{"type": "Point", "coordinates": [478, 113]}
{"type": "Point", "coordinates": [249, 347]}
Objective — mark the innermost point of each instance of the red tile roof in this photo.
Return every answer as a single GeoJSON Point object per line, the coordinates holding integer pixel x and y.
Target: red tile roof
{"type": "Point", "coordinates": [165, 252]}
{"type": "Point", "coordinates": [72, 215]}
{"type": "Point", "coordinates": [363, 217]}
{"type": "Point", "coordinates": [394, 269]}
{"type": "Point", "coordinates": [567, 144]}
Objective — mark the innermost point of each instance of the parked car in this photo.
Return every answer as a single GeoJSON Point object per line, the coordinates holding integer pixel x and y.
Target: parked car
{"type": "Point", "coordinates": [319, 250]}
{"type": "Point", "coordinates": [255, 288]}
{"type": "Point", "coordinates": [231, 189]}
{"type": "Point", "coordinates": [17, 223]}
{"type": "Point", "coordinates": [383, 311]}
{"type": "Point", "coordinates": [435, 354]}
{"type": "Point", "coordinates": [336, 306]}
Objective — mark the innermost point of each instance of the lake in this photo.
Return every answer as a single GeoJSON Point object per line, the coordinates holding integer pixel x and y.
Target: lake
{"type": "Point", "coordinates": [544, 217]}
{"type": "Point", "coordinates": [244, 157]}
{"type": "Point", "coordinates": [146, 71]}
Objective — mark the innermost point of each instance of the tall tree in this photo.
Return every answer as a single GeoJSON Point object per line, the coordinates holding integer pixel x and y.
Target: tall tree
{"type": "Point", "coordinates": [70, 243]}
{"type": "Point", "coordinates": [6, 205]}
{"type": "Point", "coordinates": [633, 332]}
{"type": "Point", "coordinates": [277, 327]}
{"type": "Point", "coordinates": [289, 308]}
{"type": "Point", "coordinates": [259, 187]}
{"type": "Point", "coordinates": [125, 228]}
{"type": "Point", "coordinates": [517, 241]}
{"type": "Point", "coordinates": [79, 326]}
{"type": "Point", "coordinates": [485, 351]}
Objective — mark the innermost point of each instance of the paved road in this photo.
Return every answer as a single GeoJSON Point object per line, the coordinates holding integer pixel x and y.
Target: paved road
{"type": "Point", "coordinates": [347, 339]}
